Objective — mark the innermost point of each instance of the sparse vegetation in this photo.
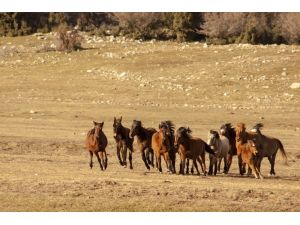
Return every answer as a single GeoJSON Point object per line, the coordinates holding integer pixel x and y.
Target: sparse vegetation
{"type": "Point", "coordinates": [218, 28]}
{"type": "Point", "coordinates": [68, 39]}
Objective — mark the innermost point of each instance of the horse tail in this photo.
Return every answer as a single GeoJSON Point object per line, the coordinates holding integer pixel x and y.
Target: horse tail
{"type": "Point", "coordinates": [208, 149]}
{"type": "Point", "coordinates": [283, 152]}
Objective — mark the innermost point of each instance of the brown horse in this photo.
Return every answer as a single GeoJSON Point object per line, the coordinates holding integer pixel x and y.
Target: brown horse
{"type": "Point", "coordinates": [228, 131]}
{"type": "Point", "coordinates": [123, 141]}
{"type": "Point", "coordinates": [267, 147]}
{"type": "Point", "coordinates": [191, 148]}
{"type": "Point", "coordinates": [144, 139]}
{"type": "Point", "coordinates": [246, 148]}
{"type": "Point", "coordinates": [96, 143]}
{"type": "Point", "coordinates": [162, 145]}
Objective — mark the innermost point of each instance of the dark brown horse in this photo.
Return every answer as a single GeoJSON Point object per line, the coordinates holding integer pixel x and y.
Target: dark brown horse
{"type": "Point", "coordinates": [123, 141]}
{"type": "Point", "coordinates": [144, 138]}
{"type": "Point", "coordinates": [228, 131]}
{"type": "Point", "coordinates": [191, 148]}
{"type": "Point", "coordinates": [96, 143]}
{"type": "Point", "coordinates": [267, 147]}
{"type": "Point", "coordinates": [162, 146]}
{"type": "Point", "coordinates": [246, 148]}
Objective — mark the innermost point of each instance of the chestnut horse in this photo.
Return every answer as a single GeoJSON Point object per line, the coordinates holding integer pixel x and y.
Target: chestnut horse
{"type": "Point", "coordinates": [162, 146]}
{"type": "Point", "coordinates": [191, 148]}
{"type": "Point", "coordinates": [246, 148]}
{"type": "Point", "coordinates": [267, 147]}
{"type": "Point", "coordinates": [123, 141]}
{"type": "Point", "coordinates": [144, 138]}
{"type": "Point", "coordinates": [96, 143]}
{"type": "Point", "coordinates": [228, 131]}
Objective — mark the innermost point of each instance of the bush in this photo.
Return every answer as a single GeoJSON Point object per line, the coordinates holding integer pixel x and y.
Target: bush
{"type": "Point", "coordinates": [68, 39]}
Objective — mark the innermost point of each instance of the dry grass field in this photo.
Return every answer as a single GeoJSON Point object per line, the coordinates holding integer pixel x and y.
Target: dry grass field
{"type": "Point", "coordinates": [49, 99]}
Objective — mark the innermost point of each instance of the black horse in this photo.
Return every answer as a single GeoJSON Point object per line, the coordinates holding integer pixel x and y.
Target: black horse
{"type": "Point", "coordinates": [144, 139]}
{"type": "Point", "coordinates": [123, 141]}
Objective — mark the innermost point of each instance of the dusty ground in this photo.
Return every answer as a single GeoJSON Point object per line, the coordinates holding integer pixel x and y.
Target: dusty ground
{"type": "Point", "coordinates": [49, 99]}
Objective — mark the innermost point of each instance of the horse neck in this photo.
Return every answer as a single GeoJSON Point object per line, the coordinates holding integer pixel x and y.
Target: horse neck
{"type": "Point", "coordinates": [142, 134]}
{"type": "Point", "coordinates": [122, 132]}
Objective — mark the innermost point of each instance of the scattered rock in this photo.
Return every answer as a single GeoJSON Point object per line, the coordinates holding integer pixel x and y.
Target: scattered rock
{"type": "Point", "coordinates": [32, 112]}
{"type": "Point", "coordinates": [295, 85]}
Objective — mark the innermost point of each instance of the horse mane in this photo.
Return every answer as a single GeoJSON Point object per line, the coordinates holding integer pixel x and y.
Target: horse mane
{"type": "Point", "coordinates": [230, 134]}
{"type": "Point", "coordinates": [170, 124]}
{"type": "Point", "coordinates": [185, 132]}
{"type": "Point", "coordinates": [258, 126]}
{"type": "Point", "coordinates": [215, 133]}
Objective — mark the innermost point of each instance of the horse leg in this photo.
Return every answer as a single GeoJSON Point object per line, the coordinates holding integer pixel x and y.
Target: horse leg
{"type": "Point", "coordinates": [183, 163]}
{"type": "Point", "coordinates": [203, 162]}
{"type": "Point", "coordinates": [106, 159]}
{"type": "Point", "coordinates": [187, 166]}
{"type": "Point", "coordinates": [158, 158]}
{"type": "Point", "coordinates": [241, 165]}
{"type": "Point", "coordinates": [229, 162]}
{"type": "Point", "coordinates": [225, 165]}
{"type": "Point", "coordinates": [216, 164]}
{"type": "Point", "coordinates": [144, 159]}
{"type": "Point", "coordinates": [272, 162]}
{"type": "Point", "coordinates": [173, 159]}
{"type": "Point", "coordinates": [124, 155]}
{"type": "Point", "coordinates": [118, 154]}
{"type": "Point", "coordinates": [152, 158]}
{"type": "Point", "coordinates": [219, 164]}
{"type": "Point", "coordinates": [97, 154]}
{"type": "Point", "coordinates": [103, 159]}
{"type": "Point", "coordinates": [130, 159]}
{"type": "Point", "coordinates": [210, 168]}
{"type": "Point", "coordinates": [91, 159]}
{"type": "Point", "coordinates": [196, 166]}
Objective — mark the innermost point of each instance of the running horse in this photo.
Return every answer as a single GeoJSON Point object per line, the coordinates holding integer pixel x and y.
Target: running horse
{"type": "Point", "coordinates": [96, 143]}
{"type": "Point", "coordinates": [123, 141]}
{"type": "Point", "coordinates": [144, 141]}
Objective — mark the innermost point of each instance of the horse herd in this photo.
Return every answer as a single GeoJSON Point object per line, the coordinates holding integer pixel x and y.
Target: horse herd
{"type": "Point", "coordinates": [249, 146]}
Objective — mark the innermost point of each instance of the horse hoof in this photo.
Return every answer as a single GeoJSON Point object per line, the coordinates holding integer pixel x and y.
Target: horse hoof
{"type": "Point", "coordinates": [131, 167]}
{"type": "Point", "coordinates": [125, 166]}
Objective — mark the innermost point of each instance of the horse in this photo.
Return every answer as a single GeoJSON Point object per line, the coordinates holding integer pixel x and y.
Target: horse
{"type": "Point", "coordinates": [123, 141]}
{"type": "Point", "coordinates": [96, 143]}
{"type": "Point", "coordinates": [267, 147]}
{"type": "Point", "coordinates": [162, 146]}
{"type": "Point", "coordinates": [220, 146]}
{"type": "Point", "coordinates": [228, 131]}
{"type": "Point", "coordinates": [144, 139]}
{"type": "Point", "coordinates": [191, 148]}
{"type": "Point", "coordinates": [246, 149]}
{"type": "Point", "coordinates": [171, 137]}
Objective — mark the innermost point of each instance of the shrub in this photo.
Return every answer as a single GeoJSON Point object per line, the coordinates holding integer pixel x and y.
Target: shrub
{"type": "Point", "coordinates": [68, 39]}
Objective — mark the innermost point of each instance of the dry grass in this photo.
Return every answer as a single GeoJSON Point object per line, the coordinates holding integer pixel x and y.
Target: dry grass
{"type": "Point", "coordinates": [49, 99]}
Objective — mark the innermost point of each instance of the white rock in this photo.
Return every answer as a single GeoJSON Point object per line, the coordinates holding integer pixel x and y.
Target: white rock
{"type": "Point", "coordinates": [89, 71]}
{"type": "Point", "coordinates": [32, 111]}
{"type": "Point", "coordinates": [295, 85]}
{"type": "Point", "coordinates": [205, 45]}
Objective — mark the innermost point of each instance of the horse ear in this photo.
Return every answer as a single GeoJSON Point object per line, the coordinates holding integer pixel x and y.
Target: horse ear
{"type": "Point", "coordinates": [114, 119]}
{"type": "Point", "coordinates": [95, 123]}
{"type": "Point", "coordinates": [121, 119]}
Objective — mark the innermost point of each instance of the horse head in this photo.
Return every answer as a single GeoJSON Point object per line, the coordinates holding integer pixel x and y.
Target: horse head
{"type": "Point", "coordinates": [135, 128]}
{"type": "Point", "coordinates": [117, 126]}
{"type": "Point", "coordinates": [182, 134]}
{"type": "Point", "coordinates": [212, 137]}
{"type": "Point", "coordinates": [98, 128]}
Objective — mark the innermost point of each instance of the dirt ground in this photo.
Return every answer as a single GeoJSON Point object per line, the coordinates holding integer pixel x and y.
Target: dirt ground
{"type": "Point", "coordinates": [49, 99]}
